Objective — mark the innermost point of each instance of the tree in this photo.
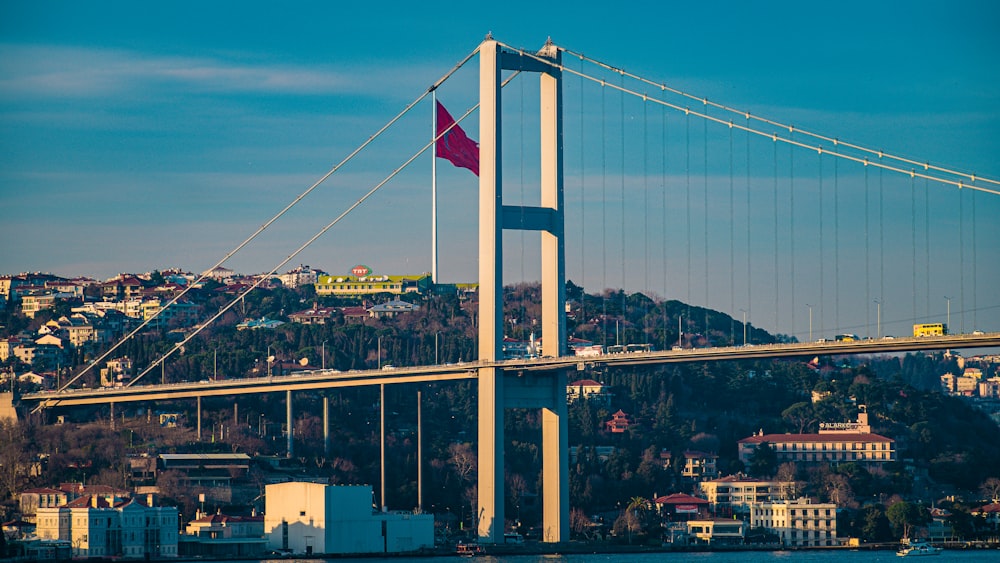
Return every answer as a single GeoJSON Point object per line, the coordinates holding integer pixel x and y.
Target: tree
{"type": "Point", "coordinates": [904, 516]}
{"type": "Point", "coordinates": [874, 525]}
{"type": "Point", "coordinates": [763, 461]}
{"type": "Point", "coordinates": [800, 415]}
{"type": "Point", "coordinates": [15, 459]}
{"type": "Point", "coordinates": [990, 489]}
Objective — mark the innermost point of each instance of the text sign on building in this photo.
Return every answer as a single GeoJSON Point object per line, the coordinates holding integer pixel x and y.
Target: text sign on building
{"type": "Point", "coordinates": [361, 270]}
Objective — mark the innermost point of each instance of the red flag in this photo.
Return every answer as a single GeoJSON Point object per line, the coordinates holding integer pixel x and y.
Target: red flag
{"type": "Point", "coordinates": [455, 145]}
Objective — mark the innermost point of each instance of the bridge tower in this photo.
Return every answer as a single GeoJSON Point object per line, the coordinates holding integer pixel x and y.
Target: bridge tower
{"type": "Point", "coordinates": [500, 389]}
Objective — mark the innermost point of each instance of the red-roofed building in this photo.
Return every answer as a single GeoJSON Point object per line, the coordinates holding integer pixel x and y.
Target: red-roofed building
{"type": "Point", "coordinates": [619, 423]}
{"type": "Point", "coordinates": [991, 513]}
{"type": "Point", "coordinates": [220, 535]}
{"type": "Point", "coordinates": [838, 442]}
{"type": "Point", "coordinates": [680, 507]}
{"type": "Point", "coordinates": [822, 448]}
{"type": "Point", "coordinates": [588, 389]}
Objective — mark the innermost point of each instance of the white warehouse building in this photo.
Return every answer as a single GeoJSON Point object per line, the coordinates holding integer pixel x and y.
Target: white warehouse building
{"type": "Point", "coordinates": [316, 518]}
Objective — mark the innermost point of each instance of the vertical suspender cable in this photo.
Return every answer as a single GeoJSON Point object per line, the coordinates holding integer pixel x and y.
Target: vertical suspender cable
{"type": "Point", "coordinates": [822, 242]}
{"type": "Point", "coordinates": [732, 243]}
{"type": "Point", "coordinates": [913, 240]}
{"type": "Point", "coordinates": [881, 238]}
{"type": "Point", "coordinates": [583, 208]}
{"type": "Point", "coordinates": [791, 229]}
{"type": "Point", "coordinates": [927, 243]}
{"type": "Point", "coordinates": [663, 226]}
{"type": "Point", "coordinates": [836, 242]}
{"type": "Point", "coordinates": [622, 100]}
{"type": "Point", "coordinates": [645, 211]}
{"type": "Point", "coordinates": [687, 198]}
{"type": "Point", "coordinates": [604, 216]}
{"type": "Point", "coordinates": [868, 284]}
{"type": "Point", "coordinates": [749, 278]}
{"type": "Point", "coordinates": [523, 311]}
{"type": "Point", "coordinates": [777, 292]}
{"type": "Point", "coordinates": [705, 211]}
{"type": "Point", "coordinates": [975, 261]}
{"type": "Point", "coordinates": [961, 253]}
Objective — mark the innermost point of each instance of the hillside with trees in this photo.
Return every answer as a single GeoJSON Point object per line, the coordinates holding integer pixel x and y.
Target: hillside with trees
{"type": "Point", "coordinates": [946, 448]}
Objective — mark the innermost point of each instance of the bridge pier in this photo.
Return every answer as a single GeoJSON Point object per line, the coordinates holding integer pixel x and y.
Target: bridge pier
{"type": "Point", "coordinates": [326, 425]}
{"type": "Point", "coordinates": [288, 422]}
{"type": "Point", "coordinates": [198, 410]}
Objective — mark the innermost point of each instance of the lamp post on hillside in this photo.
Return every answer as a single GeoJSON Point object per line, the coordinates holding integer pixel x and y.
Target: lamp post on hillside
{"type": "Point", "coordinates": [744, 326]}
{"type": "Point", "coordinates": [810, 322]}
{"type": "Point", "coordinates": [878, 317]}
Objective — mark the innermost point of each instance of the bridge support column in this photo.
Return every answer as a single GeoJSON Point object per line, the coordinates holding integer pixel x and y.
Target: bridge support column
{"type": "Point", "coordinates": [555, 466]}
{"type": "Point", "coordinates": [489, 517]}
{"type": "Point", "coordinates": [198, 409]}
{"type": "Point", "coordinates": [499, 390]}
{"type": "Point", "coordinates": [288, 422]}
{"type": "Point", "coordinates": [326, 425]}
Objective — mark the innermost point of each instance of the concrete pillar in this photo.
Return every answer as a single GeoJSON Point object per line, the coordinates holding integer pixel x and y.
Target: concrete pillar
{"type": "Point", "coordinates": [326, 425]}
{"type": "Point", "coordinates": [490, 514]}
{"type": "Point", "coordinates": [198, 408]}
{"type": "Point", "coordinates": [288, 422]}
{"type": "Point", "coordinates": [555, 435]}
{"type": "Point", "coordinates": [555, 465]}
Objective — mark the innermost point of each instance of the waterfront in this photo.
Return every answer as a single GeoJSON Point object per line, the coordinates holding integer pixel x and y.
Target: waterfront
{"type": "Point", "coordinates": [798, 556]}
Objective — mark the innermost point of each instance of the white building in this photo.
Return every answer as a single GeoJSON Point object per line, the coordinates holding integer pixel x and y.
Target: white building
{"type": "Point", "coordinates": [99, 526]}
{"type": "Point", "coordinates": [315, 518]}
{"type": "Point", "coordinates": [799, 523]}
{"type": "Point", "coordinates": [737, 493]}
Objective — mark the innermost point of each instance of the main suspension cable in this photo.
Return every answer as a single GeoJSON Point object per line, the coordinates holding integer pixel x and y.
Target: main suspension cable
{"type": "Point", "coordinates": [271, 221]}
{"type": "Point", "coordinates": [967, 181]}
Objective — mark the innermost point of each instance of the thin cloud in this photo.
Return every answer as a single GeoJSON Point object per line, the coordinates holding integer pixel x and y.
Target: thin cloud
{"type": "Point", "coordinates": [30, 71]}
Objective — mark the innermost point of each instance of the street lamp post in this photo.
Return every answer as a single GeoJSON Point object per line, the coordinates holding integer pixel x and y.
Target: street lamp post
{"type": "Point", "coordinates": [744, 326]}
{"type": "Point", "coordinates": [878, 318]}
{"type": "Point", "coordinates": [810, 322]}
{"type": "Point", "coordinates": [948, 318]}
{"type": "Point", "coordinates": [679, 333]}
{"type": "Point", "coordinates": [379, 352]}
{"type": "Point", "coordinates": [323, 355]}
{"type": "Point", "coordinates": [436, 334]}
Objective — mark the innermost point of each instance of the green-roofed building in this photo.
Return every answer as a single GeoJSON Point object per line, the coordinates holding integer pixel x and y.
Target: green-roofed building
{"type": "Point", "coordinates": [352, 286]}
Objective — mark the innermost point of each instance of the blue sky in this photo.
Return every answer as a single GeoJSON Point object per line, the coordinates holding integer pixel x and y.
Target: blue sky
{"type": "Point", "coordinates": [144, 136]}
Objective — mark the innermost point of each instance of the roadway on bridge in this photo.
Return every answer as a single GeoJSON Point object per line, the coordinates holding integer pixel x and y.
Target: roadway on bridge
{"type": "Point", "coordinates": [328, 379]}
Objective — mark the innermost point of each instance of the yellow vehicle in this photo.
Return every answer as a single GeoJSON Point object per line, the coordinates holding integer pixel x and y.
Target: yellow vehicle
{"type": "Point", "coordinates": [847, 338]}
{"type": "Point", "coordinates": [931, 329]}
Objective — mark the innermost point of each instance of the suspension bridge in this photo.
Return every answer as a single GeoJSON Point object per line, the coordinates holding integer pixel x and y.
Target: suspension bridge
{"type": "Point", "coordinates": [673, 195]}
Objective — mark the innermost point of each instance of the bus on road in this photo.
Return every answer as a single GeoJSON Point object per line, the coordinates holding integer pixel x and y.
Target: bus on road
{"type": "Point", "coordinates": [930, 329]}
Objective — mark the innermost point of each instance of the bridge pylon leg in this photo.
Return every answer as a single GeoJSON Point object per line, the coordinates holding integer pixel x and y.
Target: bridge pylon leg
{"type": "Point", "coordinates": [555, 466]}
{"type": "Point", "coordinates": [490, 514]}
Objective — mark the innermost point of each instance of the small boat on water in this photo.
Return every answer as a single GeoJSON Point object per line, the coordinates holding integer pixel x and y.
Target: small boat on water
{"type": "Point", "coordinates": [468, 549]}
{"type": "Point", "coordinates": [918, 548]}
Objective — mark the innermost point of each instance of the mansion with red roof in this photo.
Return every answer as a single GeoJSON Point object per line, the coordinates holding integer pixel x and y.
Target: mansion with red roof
{"type": "Point", "coordinates": [841, 442]}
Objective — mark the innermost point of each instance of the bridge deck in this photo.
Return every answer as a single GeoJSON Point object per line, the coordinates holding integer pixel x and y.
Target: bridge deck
{"type": "Point", "coordinates": [421, 374]}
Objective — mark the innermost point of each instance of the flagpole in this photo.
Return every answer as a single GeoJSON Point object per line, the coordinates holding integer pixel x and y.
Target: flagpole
{"type": "Point", "coordinates": [434, 205]}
